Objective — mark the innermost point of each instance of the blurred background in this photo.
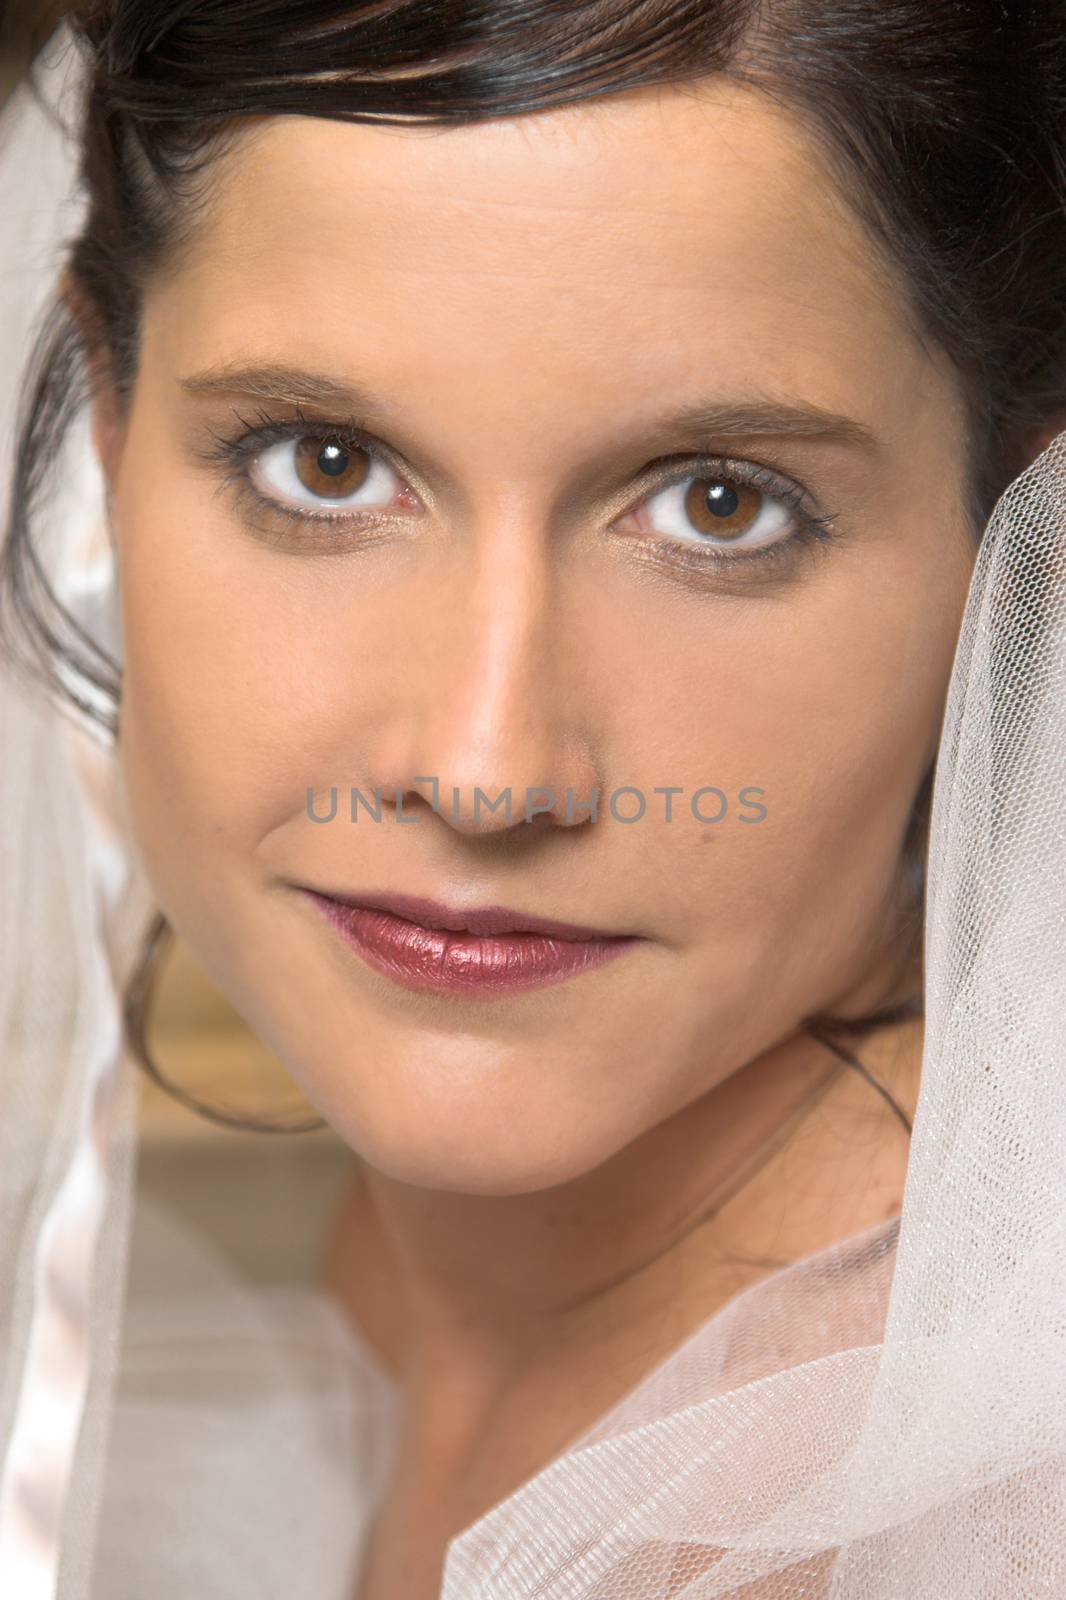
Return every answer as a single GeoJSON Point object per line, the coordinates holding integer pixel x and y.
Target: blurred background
{"type": "Point", "coordinates": [265, 1200]}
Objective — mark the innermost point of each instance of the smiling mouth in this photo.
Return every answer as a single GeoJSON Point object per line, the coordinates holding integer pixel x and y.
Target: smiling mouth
{"type": "Point", "coordinates": [427, 946]}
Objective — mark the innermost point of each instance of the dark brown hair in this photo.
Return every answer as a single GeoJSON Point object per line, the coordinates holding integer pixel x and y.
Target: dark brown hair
{"type": "Point", "coordinates": [943, 124]}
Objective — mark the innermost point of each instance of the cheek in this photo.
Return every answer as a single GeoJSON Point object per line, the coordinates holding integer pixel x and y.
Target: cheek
{"type": "Point", "coordinates": [826, 698]}
{"type": "Point", "coordinates": [216, 663]}
{"type": "Point", "coordinates": [243, 688]}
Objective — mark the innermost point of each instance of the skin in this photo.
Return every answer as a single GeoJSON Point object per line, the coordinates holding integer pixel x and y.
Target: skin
{"type": "Point", "coordinates": [529, 299]}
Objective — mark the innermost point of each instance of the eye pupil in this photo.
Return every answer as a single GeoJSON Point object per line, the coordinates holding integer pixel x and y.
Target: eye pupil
{"type": "Point", "coordinates": [722, 500]}
{"type": "Point", "coordinates": [332, 459]}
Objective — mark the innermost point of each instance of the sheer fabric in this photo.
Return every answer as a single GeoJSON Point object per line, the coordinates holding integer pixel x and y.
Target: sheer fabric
{"type": "Point", "coordinates": [241, 1409]}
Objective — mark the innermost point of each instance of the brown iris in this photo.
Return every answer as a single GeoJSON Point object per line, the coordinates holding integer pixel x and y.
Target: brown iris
{"type": "Point", "coordinates": [725, 509]}
{"type": "Point", "coordinates": [329, 468]}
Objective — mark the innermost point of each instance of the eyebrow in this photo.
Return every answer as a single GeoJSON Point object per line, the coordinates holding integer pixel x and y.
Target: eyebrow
{"type": "Point", "coordinates": [700, 419]}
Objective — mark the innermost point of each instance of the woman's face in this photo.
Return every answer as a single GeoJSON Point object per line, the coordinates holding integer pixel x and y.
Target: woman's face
{"type": "Point", "coordinates": [534, 582]}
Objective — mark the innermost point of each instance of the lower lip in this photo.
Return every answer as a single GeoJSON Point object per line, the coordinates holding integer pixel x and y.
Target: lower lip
{"type": "Point", "coordinates": [441, 962]}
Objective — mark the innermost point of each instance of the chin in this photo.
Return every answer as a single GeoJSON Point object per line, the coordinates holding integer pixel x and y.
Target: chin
{"type": "Point", "coordinates": [473, 1137]}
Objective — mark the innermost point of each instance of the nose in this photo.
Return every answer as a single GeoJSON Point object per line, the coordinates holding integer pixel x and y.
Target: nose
{"type": "Point", "coordinates": [492, 724]}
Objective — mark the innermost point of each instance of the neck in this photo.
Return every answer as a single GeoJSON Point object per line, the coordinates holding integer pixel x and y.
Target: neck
{"type": "Point", "coordinates": [787, 1155]}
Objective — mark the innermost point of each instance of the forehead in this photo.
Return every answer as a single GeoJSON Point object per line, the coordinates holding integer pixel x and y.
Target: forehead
{"type": "Point", "coordinates": [684, 235]}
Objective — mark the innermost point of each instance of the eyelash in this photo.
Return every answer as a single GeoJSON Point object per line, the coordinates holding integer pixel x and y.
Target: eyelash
{"type": "Point", "coordinates": [234, 453]}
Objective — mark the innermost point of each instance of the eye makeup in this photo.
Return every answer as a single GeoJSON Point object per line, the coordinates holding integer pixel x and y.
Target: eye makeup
{"type": "Point", "coordinates": [233, 455]}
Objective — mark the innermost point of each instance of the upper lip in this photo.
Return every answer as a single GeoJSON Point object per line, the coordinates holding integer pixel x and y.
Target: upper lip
{"type": "Point", "coordinates": [483, 920]}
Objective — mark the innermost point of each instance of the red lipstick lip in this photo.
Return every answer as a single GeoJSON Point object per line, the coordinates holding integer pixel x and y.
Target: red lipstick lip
{"type": "Point", "coordinates": [516, 953]}
{"type": "Point", "coordinates": [484, 920]}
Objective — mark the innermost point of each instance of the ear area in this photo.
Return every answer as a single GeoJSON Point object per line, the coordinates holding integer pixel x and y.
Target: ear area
{"type": "Point", "coordinates": [1040, 440]}
{"type": "Point", "coordinates": [106, 414]}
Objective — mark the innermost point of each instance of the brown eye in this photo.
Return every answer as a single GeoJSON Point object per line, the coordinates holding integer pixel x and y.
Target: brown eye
{"type": "Point", "coordinates": [719, 512]}
{"type": "Point", "coordinates": [327, 474]}
{"type": "Point", "coordinates": [328, 468]}
{"type": "Point", "coordinates": [720, 507]}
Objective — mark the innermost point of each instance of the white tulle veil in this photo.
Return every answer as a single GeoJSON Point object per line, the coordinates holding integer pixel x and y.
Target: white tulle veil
{"type": "Point", "coordinates": [885, 1420]}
